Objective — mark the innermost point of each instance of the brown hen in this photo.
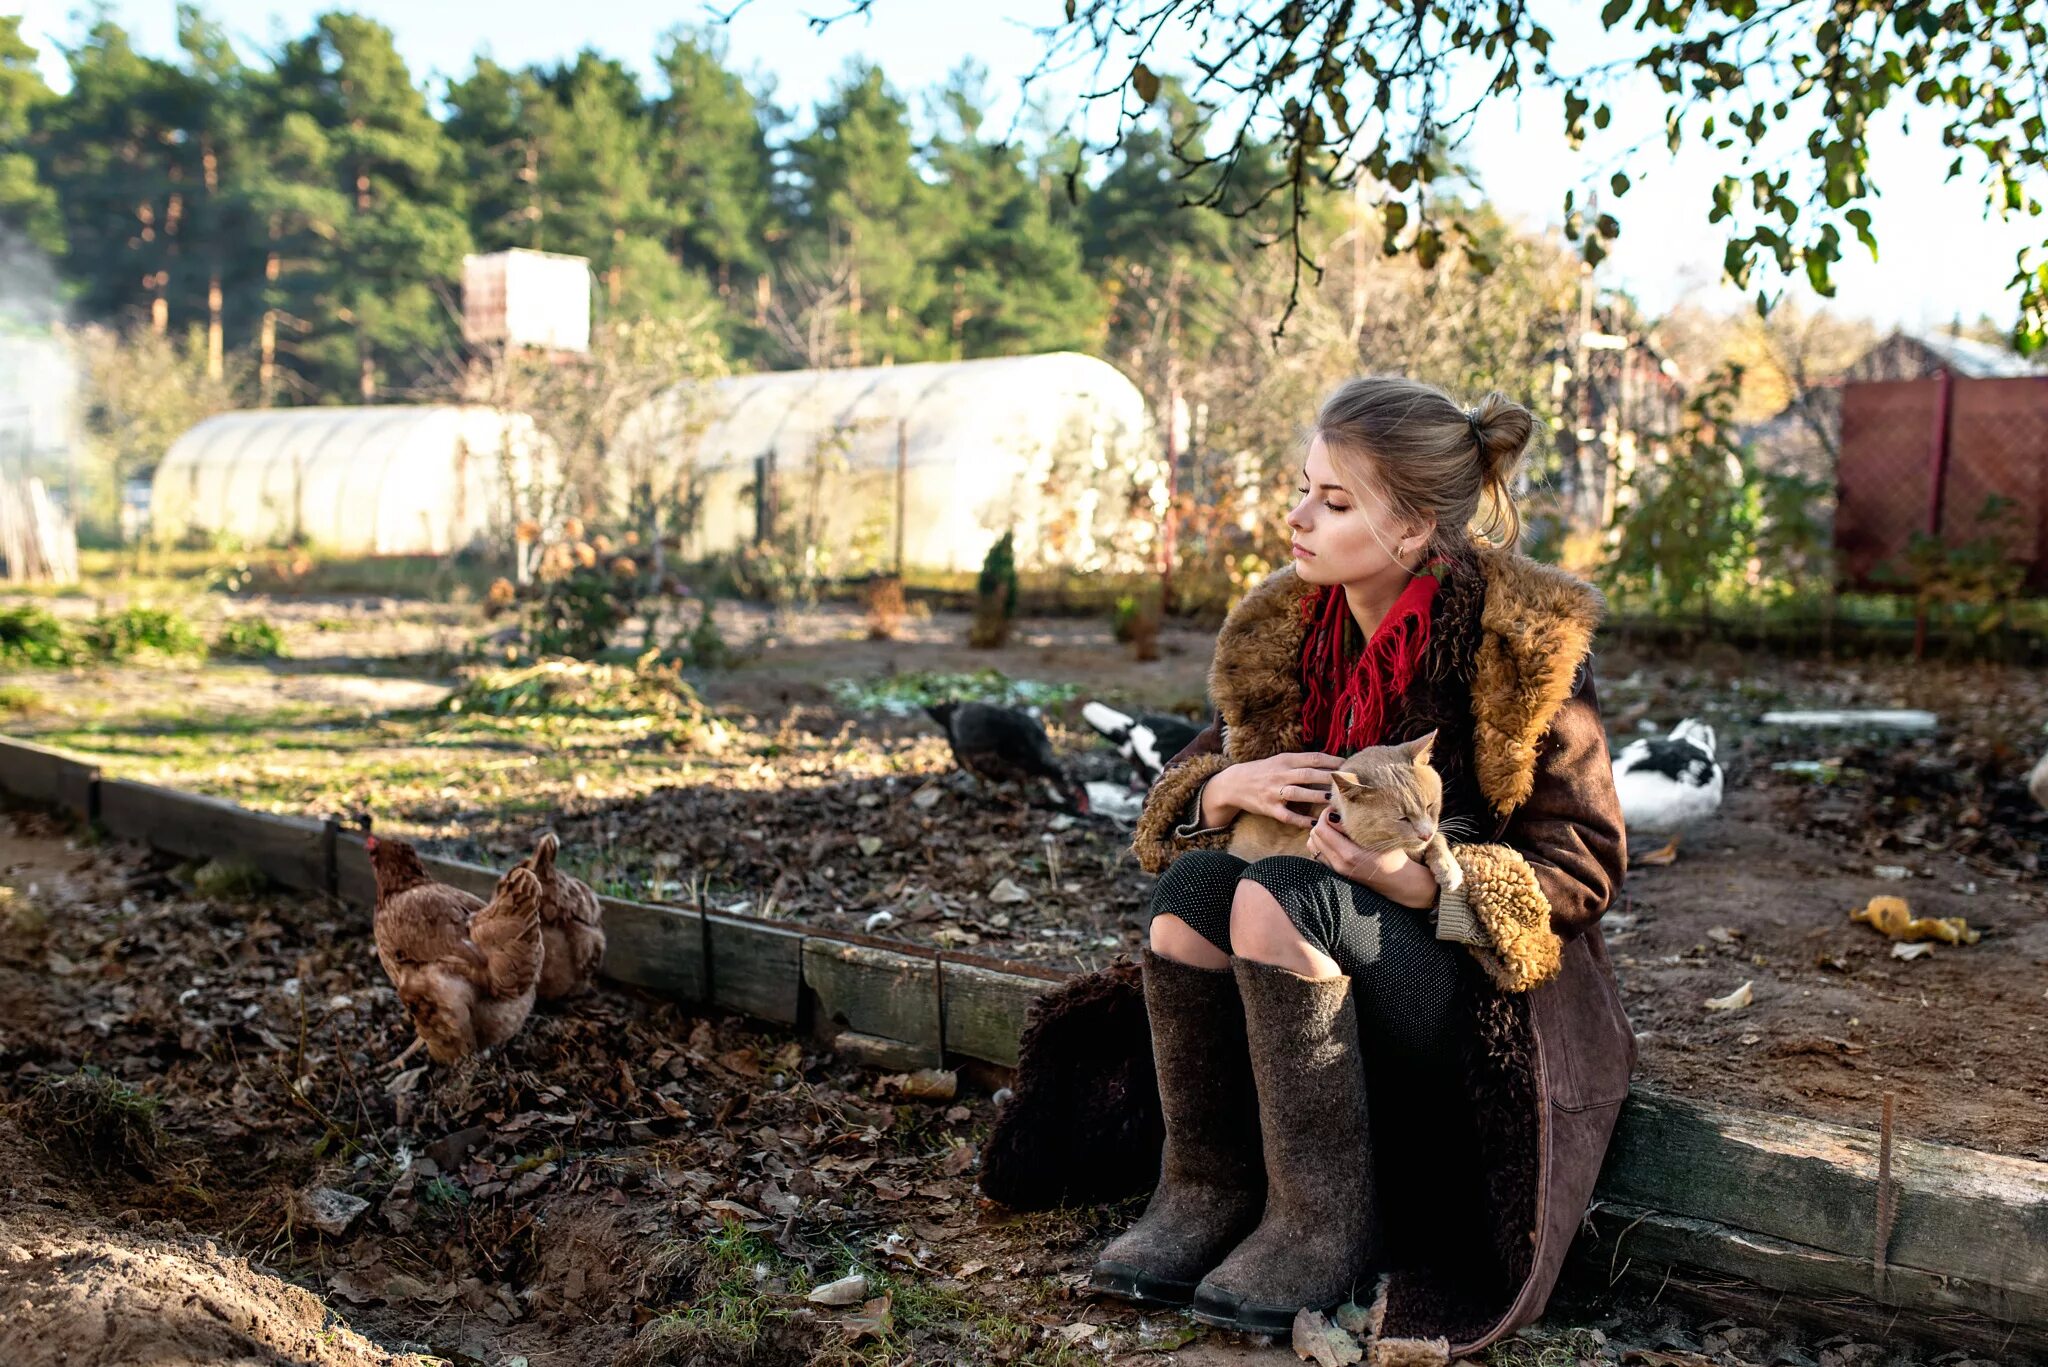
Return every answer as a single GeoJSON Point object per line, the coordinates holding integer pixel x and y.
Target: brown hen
{"type": "Point", "coordinates": [466, 969]}
{"type": "Point", "coordinates": [571, 925]}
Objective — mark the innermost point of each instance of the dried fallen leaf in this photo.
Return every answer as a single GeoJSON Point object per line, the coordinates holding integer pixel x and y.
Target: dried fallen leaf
{"type": "Point", "coordinates": [1913, 951]}
{"type": "Point", "coordinates": [1352, 1318]}
{"type": "Point", "coordinates": [1893, 917]}
{"type": "Point", "coordinates": [1072, 1334]}
{"type": "Point", "coordinates": [874, 1319]}
{"type": "Point", "coordinates": [846, 1291]}
{"type": "Point", "coordinates": [1007, 893]}
{"type": "Point", "coordinates": [1734, 1001]}
{"type": "Point", "coordinates": [1316, 1338]}
{"type": "Point", "coordinates": [870, 845]}
{"type": "Point", "coordinates": [1724, 935]}
{"type": "Point", "coordinates": [958, 1159]}
{"type": "Point", "coordinates": [926, 1084]}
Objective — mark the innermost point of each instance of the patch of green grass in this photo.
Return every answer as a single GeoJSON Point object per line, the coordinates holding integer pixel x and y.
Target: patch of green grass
{"type": "Point", "coordinates": [30, 635]}
{"type": "Point", "coordinates": [229, 878]}
{"type": "Point", "coordinates": [1568, 1348]}
{"type": "Point", "coordinates": [903, 694]}
{"type": "Point", "coordinates": [248, 638]}
{"type": "Point", "coordinates": [19, 700]}
{"type": "Point", "coordinates": [138, 632]}
{"type": "Point", "coordinates": [93, 1122]}
{"type": "Point", "coordinates": [728, 1316]}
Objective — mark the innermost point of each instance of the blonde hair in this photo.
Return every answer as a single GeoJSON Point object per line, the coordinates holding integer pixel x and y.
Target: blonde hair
{"type": "Point", "coordinates": [1431, 458]}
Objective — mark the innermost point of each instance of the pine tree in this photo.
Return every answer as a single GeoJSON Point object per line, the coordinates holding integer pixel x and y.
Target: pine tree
{"type": "Point", "coordinates": [710, 139]}
{"type": "Point", "coordinates": [383, 285]}
{"type": "Point", "coordinates": [27, 204]}
{"type": "Point", "coordinates": [862, 202]}
{"type": "Point", "coordinates": [1010, 279]}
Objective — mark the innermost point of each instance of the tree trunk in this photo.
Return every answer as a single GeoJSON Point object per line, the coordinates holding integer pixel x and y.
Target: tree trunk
{"type": "Point", "coordinates": [853, 300]}
{"type": "Point", "coordinates": [215, 341]}
{"type": "Point", "coordinates": [266, 339]}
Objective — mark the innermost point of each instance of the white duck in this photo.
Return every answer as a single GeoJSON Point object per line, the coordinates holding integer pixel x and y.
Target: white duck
{"type": "Point", "coordinates": [1667, 783]}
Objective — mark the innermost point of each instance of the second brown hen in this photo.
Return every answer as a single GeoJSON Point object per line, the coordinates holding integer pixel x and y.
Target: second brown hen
{"type": "Point", "coordinates": [571, 925]}
{"type": "Point", "coordinates": [465, 969]}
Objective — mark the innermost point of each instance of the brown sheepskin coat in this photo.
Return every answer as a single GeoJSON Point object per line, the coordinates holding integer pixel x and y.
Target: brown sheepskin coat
{"type": "Point", "coordinates": [1486, 1175]}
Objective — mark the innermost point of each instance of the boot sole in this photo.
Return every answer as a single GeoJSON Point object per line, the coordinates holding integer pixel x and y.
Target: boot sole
{"type": "Point", "coordinates": [1133, 1284]}
{"type": "Point", "coordinates": [1226, 1311]}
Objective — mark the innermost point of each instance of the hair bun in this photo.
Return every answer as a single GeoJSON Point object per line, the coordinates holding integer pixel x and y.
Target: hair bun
{"type": "Point", "coordinates": [1503, 428]}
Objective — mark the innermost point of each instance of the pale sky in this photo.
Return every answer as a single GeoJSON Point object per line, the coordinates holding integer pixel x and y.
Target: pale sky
{"type": "Point", "coordinates": [1941, 257]}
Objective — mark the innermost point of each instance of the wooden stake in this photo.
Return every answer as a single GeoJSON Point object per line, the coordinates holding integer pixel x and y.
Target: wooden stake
{"type": "Point", "coordinates": [1884, 1186]}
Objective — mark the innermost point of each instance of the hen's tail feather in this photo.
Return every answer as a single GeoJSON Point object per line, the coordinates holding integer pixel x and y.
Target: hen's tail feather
{"type": "Point", "coordinates": [507, 930]}
{"type": "Point", "coordinates": [543, 860]}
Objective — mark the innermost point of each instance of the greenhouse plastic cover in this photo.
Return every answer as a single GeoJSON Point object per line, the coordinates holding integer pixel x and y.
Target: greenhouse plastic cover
{"type": "Point", "coordinates": [1058, 448]}
{"type": "Point", "coordinates": [398, 480]}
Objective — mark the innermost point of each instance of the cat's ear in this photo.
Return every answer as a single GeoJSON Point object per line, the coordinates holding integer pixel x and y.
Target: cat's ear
{"type": "Point", "coordinates": [1418, 750]}
{"type": "Point", "coordinates": [1346, 783]}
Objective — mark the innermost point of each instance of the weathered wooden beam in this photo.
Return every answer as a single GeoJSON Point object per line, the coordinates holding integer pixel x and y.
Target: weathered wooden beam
{"type": "Point", "coordinates": [1620, 1239]}
{"type": "Point", "coordinates": [289, 850]}
{"type": "Point", "coordinates": [1961, 1214]}
{"type": "Point", "coordinates": [892, 990]}
{"type": "Point", "coordinates": [756, 967]}
{"type": "Point", "coordinates": [42, 777]}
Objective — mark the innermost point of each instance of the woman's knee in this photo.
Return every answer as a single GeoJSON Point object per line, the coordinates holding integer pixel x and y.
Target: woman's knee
{"type": "Point", "coordinates": [1173, 938]}
{"type": "Point", "coordinates": [1256, 900]}
{"type": "Point", "coordinates": [1257, 916]}
{"type": "Point", "coordinates": [1197, 878]}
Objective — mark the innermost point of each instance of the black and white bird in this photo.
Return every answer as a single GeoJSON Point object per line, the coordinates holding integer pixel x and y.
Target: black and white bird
{"type": "Point", "coordinates": [1668, 783]}
{"type": "Point", "coordinates": [1003, 745]}
{"type": "Point", "coordinates": [1147, 741]}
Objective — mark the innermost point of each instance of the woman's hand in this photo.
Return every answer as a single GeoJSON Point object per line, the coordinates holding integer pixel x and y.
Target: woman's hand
{"type": "Point", "coordinates": [1266, 786]}
{"type": "Point", "coordinates": [1390, 873]}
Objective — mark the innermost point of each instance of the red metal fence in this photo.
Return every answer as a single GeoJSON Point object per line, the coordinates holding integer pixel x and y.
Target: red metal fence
{"type": "Point", "coordinates": [1928, 456]}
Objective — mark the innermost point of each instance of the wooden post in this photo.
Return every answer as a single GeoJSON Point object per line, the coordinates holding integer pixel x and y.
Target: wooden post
{"type": "Point", "coordinates": [1937, 481]}
{"type": "Point", "coordinates": [902, 468]}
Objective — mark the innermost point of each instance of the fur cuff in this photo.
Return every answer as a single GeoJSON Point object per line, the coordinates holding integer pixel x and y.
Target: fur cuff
{"type": "Point", "coordinates": [1154, 841]}
{"type": "Point", "coordinates": [1508, 902]}
{"type": "Point", "coordinates": [1384, 1351]}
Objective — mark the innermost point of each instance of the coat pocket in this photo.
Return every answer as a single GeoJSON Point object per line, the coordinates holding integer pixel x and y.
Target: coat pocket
{"type": "Point", "coordinates": [1588, 1047]}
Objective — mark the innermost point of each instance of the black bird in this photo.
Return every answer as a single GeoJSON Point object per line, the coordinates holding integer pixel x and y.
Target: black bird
{"type": "Point", "coordinates": [1147, 741]}
{"type": "Point", "coordinates": [1003, 745]}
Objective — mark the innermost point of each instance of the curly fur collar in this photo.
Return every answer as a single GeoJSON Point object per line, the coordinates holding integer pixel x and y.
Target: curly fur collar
{"type": "Point", "coordinates": [1536, 627]}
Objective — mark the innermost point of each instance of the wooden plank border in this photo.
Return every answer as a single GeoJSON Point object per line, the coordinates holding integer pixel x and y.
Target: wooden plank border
{"type": "Point", "coordinates": [289, 850]}
{"type": "Point", "coordinates": [1961, 1214]}
{"type": "Point", "coordinates": [51, 779]}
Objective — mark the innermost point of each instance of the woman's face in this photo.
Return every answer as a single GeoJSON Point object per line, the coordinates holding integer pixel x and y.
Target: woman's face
{"type": "Point", "coordinates": [1343, 534]}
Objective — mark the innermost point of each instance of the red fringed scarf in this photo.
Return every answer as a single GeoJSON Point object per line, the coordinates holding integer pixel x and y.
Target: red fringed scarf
{"type": "Point", "coordinates": [1344, 702]}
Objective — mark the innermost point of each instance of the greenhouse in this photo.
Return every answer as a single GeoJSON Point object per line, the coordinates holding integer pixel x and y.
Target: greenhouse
{"type": "Point", "coordinates": [354, 481]}
{"type": "Point", "coordinates": [921, 466]}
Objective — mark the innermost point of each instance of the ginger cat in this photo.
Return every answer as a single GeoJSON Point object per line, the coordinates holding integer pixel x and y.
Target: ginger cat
{"type": "Point", "coordinates": [1388, 796]}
